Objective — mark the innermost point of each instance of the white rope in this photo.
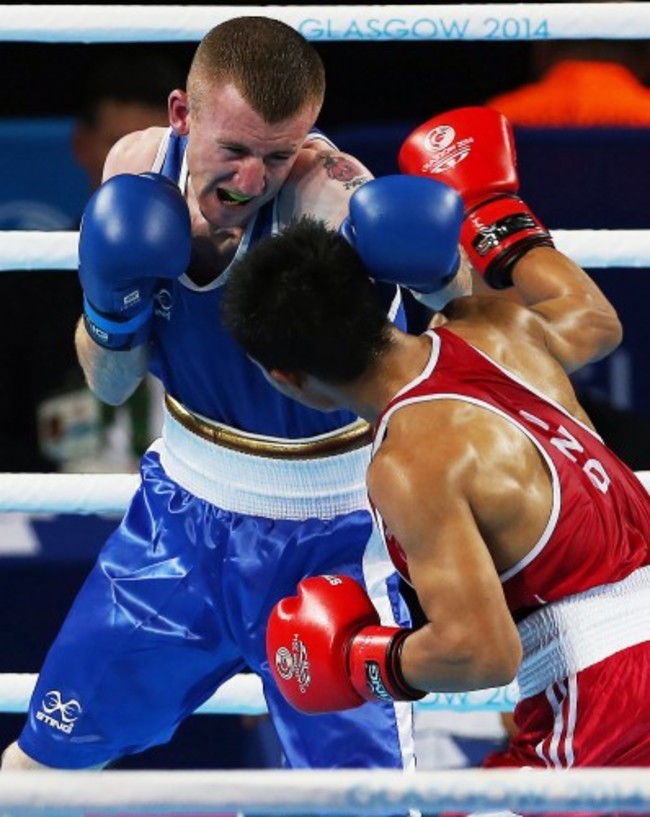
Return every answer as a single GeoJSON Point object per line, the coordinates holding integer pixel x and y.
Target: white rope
{"type": "Point", "coordinates": [57, 250]}
{"type": "Point", "coordinates": [242, 695]}
{"type": "Point", "coordinates": [34, 249]}
{"type": "Point", "coordinates": [605, 248]}
{"type": "Point", "coordinates": [84, 493]}
{"type": "Point", "coordinates": [299, 791]}
{"type": "Point", "coordinates": [499, 22]}
{"type": "Point", "coordinates": [67, 493]}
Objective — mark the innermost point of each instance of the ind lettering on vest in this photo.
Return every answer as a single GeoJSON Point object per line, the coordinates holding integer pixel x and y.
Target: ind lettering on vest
{"type": "Point", "coordinates": [565, 442]}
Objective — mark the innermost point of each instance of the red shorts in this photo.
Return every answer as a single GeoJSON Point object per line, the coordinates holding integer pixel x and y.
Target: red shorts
{"type": "Point", "coordinates": [599, 717]}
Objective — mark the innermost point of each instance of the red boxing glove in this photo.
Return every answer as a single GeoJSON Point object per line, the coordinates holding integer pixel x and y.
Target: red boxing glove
{"type": "Point", "coordinates": [328, 652]}
{"type": "Point", "coordinates": [473, 151]}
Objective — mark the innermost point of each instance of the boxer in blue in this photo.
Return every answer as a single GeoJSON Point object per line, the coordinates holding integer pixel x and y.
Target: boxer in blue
{"type": "Point", "coordinates": [247, 492]}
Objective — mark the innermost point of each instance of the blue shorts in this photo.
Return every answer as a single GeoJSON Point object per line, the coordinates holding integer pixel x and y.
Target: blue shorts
{"type": "Point", "coordinates": [176, 604]}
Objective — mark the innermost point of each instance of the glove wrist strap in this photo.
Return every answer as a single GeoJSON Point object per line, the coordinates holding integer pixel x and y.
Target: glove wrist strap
{"type": "Point", "coordinates": [496, 233]}
{"type": "Point", "coordinates": [375, 665]}
{"type": "Point", "coordinates": [109, 332]}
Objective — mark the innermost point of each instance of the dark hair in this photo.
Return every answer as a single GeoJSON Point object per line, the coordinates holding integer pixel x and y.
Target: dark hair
{"type": "Point", "coordinates": [276, 70]}
{"type": "Point", "coordinates": [302, 301]}
{"type": "Point", "coordinates": [144, 77]}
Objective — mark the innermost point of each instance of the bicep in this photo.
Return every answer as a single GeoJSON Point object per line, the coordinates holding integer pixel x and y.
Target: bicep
{"type": "Point", "coordinates": [470, 639]}
{"type": "Point", "coordinates": [452, 571]}
{"type": "Point", "coordinates": [430, 514]}
{"type": "Point", "coordinates": [579, 324]}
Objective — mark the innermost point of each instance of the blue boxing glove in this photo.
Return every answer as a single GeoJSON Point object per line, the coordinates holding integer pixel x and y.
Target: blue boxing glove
{"type": "Point", "coordinates": [407, 232]}
{"type": "Point", "coordinates": [135, 230]}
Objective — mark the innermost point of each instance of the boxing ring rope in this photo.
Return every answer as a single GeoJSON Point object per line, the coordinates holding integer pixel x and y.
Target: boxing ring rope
{"type": "Point", "coordinates": [242, 695]}
{"type": "Point", "coordinates": [57, 250]}
{"type": "Point", "coordinates": [365, 792]}
{"type": "Point", "coordinates": [67, 493]}
{"type": "Point", "coordinates": [499, 22]}
{"type": "Point", "coordinates": [85, 493]}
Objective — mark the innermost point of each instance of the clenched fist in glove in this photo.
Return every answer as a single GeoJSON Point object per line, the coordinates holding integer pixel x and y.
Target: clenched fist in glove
{"type": "Point", "coordinates": [472, 149]}
{"type": "Point", "coordinates": [406, 230]}
{"type": "Point", "coordinates": [328, 652]}
{"type": "Point", "coordinates": [135, 230]}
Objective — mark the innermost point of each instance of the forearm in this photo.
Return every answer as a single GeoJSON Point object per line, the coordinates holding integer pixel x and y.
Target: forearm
{"type": "Point", "coordinates": [112, 376]}
{"type": "Point", "coordinates": [455, 661]}
{"type": "Point", "coordinates": [581, 324]}
{"type": "Point", "coordinates": [506, 242]}
{"type": "Point", "coordinates": [136, 231]}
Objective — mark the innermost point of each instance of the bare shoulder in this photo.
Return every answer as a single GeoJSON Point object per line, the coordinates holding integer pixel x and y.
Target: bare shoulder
{"type": "Point", "coordinates": [501, 313]}
{"type": "Point", "coordinates": [321, 183]}
{"type": "Point", "coordinates": [446, 464]}
{"type": "Point", "coordinates": [134, 153]}
{"type": "Point", "coordinates": [503, 329]}
{"type": "Point", "coordinates": [515, 337]}
{"type": "Point", "coordinates": [427, 461]}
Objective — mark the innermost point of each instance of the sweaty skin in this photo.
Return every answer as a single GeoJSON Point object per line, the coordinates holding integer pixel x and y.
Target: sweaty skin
{"type": "Point", "coordinates": [492, 494]}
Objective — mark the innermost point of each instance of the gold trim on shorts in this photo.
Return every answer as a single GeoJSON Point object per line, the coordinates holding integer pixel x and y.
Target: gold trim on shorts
{"type": "Point", "coordinates": [353, 437]}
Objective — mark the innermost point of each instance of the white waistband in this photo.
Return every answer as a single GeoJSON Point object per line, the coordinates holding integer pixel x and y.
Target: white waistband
{"type": "Point", "coordinates": [260, 486]}
{"type": "Point", "coordinates": [568, 636]}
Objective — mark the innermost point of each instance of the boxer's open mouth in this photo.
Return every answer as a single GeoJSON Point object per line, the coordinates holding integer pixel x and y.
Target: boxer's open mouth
{"type": "Point", "coordinates": [233, 198]}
